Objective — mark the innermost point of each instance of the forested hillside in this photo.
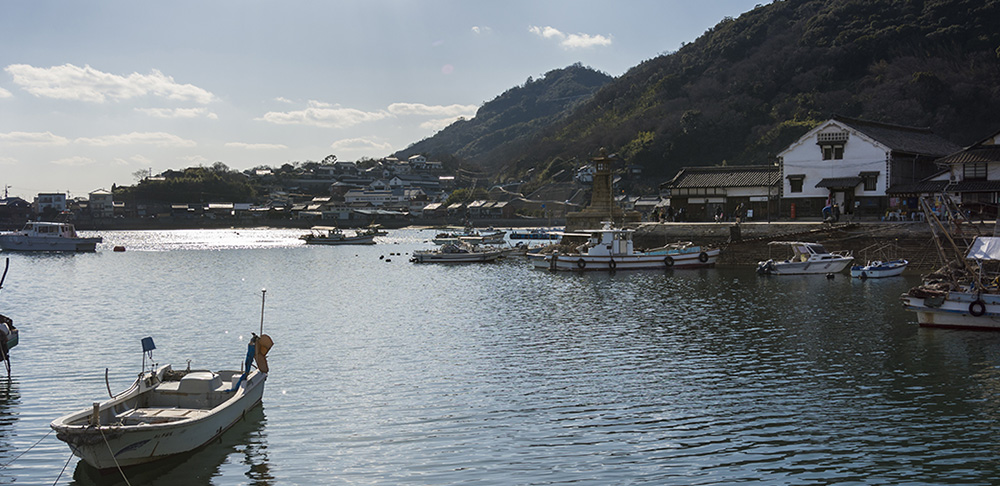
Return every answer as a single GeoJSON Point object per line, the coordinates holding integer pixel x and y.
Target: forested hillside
{"type": "Point", "coordinates": [746, 88]}
{"type": "Point", "coordinates": [514, 116]}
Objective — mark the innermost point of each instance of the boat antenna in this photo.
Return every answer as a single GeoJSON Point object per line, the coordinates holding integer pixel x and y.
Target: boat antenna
{"type": "Point", "coordinates": [263, 295]}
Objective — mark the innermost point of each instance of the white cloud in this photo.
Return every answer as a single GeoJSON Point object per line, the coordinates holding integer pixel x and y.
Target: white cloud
{"type": "Point", "coordinates": [159, 139]}
{"type": "Point", "coordinates": [476, 29]}
{"type": "Point", "coordinates": [133, 160]}
{"type": "Point", "coordinates": [570, 41]}
{"type": "Point", "coordinates": [177, 112]}
{"type": "Point", "coordinates": [69, 82]}
{"type": "Point", "coordinates": [401, 109]}
{"type": "Point", "coordinates": [32, 138]}
{"type": "Point", "coordinates": [7, 161]}
{"type": "Point", "coordinates": [5, 94]}
{"type": "Point", "coordinates": [320, 114]}
{"type": "Point", "coordinates": [360, 144]}
{"type": "Point", "coordinates": [257, 146]}
{"type": "Point", "coordinates": [75, 161]}
{"type": "Point", "coordinates": [282, 99]}
{"type": "Point", "coordinates": [196, 159]}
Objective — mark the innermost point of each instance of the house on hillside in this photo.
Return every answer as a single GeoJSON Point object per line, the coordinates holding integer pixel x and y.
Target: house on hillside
{"type": "Point", "coordinates": [102, 204]}
{"type": "Point", "coordinates": [970, 176]}
{"type": "Point", "coordinates": [700, 193]}
{"type": "Point", "coordinates": [853, 164]}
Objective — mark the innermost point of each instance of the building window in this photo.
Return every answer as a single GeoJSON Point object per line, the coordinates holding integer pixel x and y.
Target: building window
{"type": "Point", "coordinates": [833, 152]}
{"type": "Point", "coordinates": [795, 182]}
{"type": "Point", "coordinates": [974, 171]}
{"type": "Point", "coordinates": [870, 180]}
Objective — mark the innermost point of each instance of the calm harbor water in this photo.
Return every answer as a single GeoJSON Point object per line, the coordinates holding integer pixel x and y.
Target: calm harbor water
{"type": "Point", "coordinates": [387, 372]}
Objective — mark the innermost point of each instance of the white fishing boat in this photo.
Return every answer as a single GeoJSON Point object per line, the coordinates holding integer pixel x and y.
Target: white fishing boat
{"type": "Point", "coordinates": [332, 235]}
{"type": "Point", "coordinates": [612, 248]}
{"type": "Point", "coordinates": [879, 269]}
{"type": "Point", "coordinates": [962, 295]}
{"type": "Point", "coordinates": [46, 236]}
{"type": "Point", "coordinates": [488, 236]}
{"type": "Point", "coordinates": [807, 259]}
{"type": "Point", "coordinates": [166, 411]}
{"type": "Point", "coordinates": [536, 234]}
{"type": "Point", "coordinates": [457, 253]}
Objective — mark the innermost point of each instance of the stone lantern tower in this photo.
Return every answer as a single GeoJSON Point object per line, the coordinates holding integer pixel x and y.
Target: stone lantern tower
{"type": "Point", "coordinates": [602, 204]}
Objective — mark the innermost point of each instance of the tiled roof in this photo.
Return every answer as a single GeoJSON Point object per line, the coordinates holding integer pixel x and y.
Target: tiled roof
{"type": "Point", "coordinates": [735, 176]}
{"type": "Point", "coordinates": [839, 182]}
{"type": "Point", "coordinates": [974, 155]}
{"type": "Point", "coordinates": [903, 139]}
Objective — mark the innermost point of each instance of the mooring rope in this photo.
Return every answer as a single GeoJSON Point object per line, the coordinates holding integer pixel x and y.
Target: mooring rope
{"type": "Point", "coordinates": [26, 450]}
{"type": "Point", "coordinates": [113, 458]}
{"type": "Point", "coordinates": [54, 483]}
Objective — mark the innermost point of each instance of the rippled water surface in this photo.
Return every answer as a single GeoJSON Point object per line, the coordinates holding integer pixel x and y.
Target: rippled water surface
{"type": "Point", "coordinates": [388, 372]}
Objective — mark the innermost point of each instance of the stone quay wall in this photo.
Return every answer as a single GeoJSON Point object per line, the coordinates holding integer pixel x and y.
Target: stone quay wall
{"type": "Point", "coordinates": [747, 243]}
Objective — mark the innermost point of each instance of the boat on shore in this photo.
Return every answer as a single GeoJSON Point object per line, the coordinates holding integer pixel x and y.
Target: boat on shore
{"type": "Point", "coordinates": [165, 412]}
{"type": "Point", "coordinates": [332, 235]}
{"type": "Point", "coordinates": [459, 252]}
{"type": "Point", "coordinates": [879, 269]}
{"type": "Point", "coordinates": [47, 236]}
{"type": "Point", "coordinates": [807, 259]}
{"type": "Point", "coordinates": [612, 248]}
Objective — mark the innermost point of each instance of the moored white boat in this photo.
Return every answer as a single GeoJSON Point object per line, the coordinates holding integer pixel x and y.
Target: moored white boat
{"type": "Point", "coordinates": [807, 259]}
{"type": "Point", "coordinates": [165, 412]}
{"type": "Point", "coordinates": [535, 234]}
{"type": "Point", "coordinates": [457, 253]}
{"type": "Point", "coordinates": [332, 235]}
{"type": "Point", "coordinates": [879, 269]}
{"type": "Point", "coordinates": [46, 236]}
{"type": "Point", "coordinates": [960, 296]}
{"type": "Point", "coordinates": [489, 236]}
{"type": "Point", "coordinates": [611, 248]}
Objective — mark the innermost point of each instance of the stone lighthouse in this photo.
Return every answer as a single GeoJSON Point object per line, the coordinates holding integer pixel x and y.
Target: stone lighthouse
{"type": "Point", "coordinates": [602, 204]}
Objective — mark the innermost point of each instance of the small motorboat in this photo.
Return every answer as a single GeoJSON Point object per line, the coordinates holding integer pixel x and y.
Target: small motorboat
{"type": "Point", "coordinates": [807, 259]}
{"type": "Point", "coordinates": [166, 411]}
{"type": "Point", "coordinates": [45, 236]}
{"type": "Point", "coordinates": [879, 269]}
{"type": "Point", "coordinates": [457, 253]}
{"type": "Point", "coordinates": [332, 235]}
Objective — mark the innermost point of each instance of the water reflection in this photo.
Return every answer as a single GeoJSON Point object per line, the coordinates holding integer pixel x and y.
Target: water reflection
{"type": "Point", "coordinates": [244, 446]}
{"type": "Point", "coordinates": [10, 401]}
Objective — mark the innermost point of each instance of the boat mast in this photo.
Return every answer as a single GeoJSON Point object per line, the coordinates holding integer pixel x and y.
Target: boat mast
{"type": "Point", "coordinates": [263, 295]}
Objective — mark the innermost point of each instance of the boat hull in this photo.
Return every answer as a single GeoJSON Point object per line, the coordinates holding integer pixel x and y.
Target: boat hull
{"type": "Point", "coordinates": [139, 444]}
{"type": "Point", "coordinates": [576, 262]}
{"type": "Point", "coordinates": [956, 310]}
{"type": "Point", "coordinates": [45, 243]}
{"type": "Point", "coordinates": [808, 267]}
{"type": "Point", "coordinates": [889, 269]}
{"type": "Point", "coordinates": [349, 240]}
{"type": "Point", "coordinates": [476, 257]}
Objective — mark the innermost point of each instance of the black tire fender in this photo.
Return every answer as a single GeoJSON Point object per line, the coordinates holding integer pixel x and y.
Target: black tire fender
{"type": "Point", "coordinates": [977, 308]}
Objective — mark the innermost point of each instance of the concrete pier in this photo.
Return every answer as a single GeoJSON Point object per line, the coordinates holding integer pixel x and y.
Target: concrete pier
{"type": "Point", "coordinates": [747, 243]}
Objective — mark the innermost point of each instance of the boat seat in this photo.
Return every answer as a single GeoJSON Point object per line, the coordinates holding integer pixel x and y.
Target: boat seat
{"type": "Point", "coordinates": [139, 416]}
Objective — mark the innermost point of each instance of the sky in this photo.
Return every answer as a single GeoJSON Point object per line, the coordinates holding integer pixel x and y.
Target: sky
{"type": "Point", "coordinates": [94, 93]}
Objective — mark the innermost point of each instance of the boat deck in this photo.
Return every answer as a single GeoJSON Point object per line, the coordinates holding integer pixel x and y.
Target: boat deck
{"type": "Point", "coordinates": [138, 416]}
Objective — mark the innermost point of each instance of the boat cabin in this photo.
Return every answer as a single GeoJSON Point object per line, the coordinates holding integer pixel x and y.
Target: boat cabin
{"type": "Point", "coordinates": [608, 241]}
{"type": "Point", "coordinates": [53, 230]}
